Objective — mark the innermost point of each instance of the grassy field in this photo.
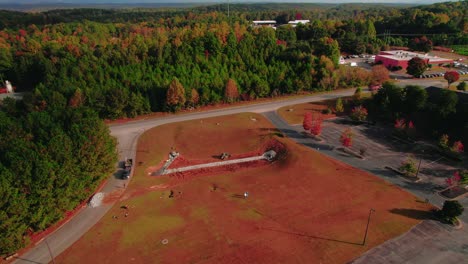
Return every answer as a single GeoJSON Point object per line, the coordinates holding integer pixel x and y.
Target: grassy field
{"type": "Point", "coordinates": [460, 49]}
{"type": "Point", "coordinates": [303, 208]}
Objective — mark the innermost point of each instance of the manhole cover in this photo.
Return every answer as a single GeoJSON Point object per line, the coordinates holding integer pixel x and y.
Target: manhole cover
{"type": "Point", "coordinates": [165, 241]}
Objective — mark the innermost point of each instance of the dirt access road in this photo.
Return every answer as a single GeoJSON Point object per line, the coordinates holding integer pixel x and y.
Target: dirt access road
{"type": "Point", "coordinates": [127, 135]}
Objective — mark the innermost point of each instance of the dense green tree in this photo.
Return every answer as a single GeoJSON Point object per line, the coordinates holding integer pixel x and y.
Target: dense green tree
{"type": "Point", "coordinates": [416, 66]}
{"type": "Point", "coordinates": [443, 103]}
{"type": "Point", "coordinates": [388, 101]}
{"type": "Point", "coordinates": [414, 99]}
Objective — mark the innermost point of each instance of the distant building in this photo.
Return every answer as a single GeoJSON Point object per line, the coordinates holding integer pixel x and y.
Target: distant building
{"type": "Point", "coordinates": [395, 58]}
{"type": "Point", "coordinates": [264, 23]}
{"type": "Point", "coordinates": [294, 23]}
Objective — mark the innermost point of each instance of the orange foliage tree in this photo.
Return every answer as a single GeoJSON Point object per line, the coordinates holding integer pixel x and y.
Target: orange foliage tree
{"type": "Point", "coordinates": [231, 93]}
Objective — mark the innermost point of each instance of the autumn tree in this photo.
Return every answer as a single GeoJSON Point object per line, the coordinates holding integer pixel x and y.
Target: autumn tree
{"type": "Point", "coordinates": [416, 66]}
{"type": "Point", "coordinates": [380, 74]}
{"type": "Point", "coordinates": [316, 126]}
{"type": "Point", "coordinates": [451, 77]}
{"type": "Point", "coordinates": [457, 147]}
{"type": "Point", "coordinates": [339, 108]}
{"type": "Point", "coordinates": [175, 97]}
{"type": "Point", "coordinates": [77, 99]}
{"type": "Point", "coordinates": [358, 113]}
{"type": "Point", "coordinates": [194, 97]}
{"type": "Point", "coordinates": [307, 123]}
{"type": "Point", "coordinates": [421, 44]}
{"type": "Point", "coordinates": [347, 138]}
{"type": "Point", "coordinates": [231, 92]}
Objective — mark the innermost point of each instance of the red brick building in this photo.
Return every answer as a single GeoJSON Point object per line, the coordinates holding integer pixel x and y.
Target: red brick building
{"type": "Point", "coordinates": [395, 58]}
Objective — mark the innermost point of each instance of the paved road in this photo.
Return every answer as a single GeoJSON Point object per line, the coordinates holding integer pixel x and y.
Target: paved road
{"type": "Point", "coordinates": [127, 135]}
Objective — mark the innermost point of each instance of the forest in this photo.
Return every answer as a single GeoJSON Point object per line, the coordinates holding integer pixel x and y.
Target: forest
{"type": "Point", "coordinates": [52, 157]}
{"type": "Point", "coordinates": [124, 67]}
{"type": "Point", "coordinates": [79, 66]}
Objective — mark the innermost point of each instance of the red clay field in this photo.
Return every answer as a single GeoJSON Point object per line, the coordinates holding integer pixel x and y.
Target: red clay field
{"type": "Point", "coordinates": [302, 208]}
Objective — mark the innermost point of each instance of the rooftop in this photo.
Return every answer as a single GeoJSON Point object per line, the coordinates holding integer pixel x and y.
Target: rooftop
{"type": "Point", "coordinates": [402, 55]}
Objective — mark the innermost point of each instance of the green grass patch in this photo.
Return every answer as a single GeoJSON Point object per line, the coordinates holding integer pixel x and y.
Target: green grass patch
{"type": "Point", "coordinates": [200, 213]}
{"type": "Point", "coordinates": [137, 231]}
{"type": "Point", "coordinates": [460, 49]}
{"type": "Point", "coordinates": [249, 214]}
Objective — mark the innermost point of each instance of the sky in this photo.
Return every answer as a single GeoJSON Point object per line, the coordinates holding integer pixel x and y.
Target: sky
{"type": "Point", "coordinates": [216, 1]}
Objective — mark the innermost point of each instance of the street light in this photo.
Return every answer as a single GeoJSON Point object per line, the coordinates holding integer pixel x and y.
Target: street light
{"type": "Point", "coordinates": [367, 227]}
{"type": "Point", "coordinates": [419, 165]}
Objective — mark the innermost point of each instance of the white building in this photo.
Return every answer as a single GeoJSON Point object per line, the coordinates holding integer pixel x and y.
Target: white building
{"type": "Point", "coordinates": [264, 23]}
{"type": "Point", "coordinates": [294, 23]}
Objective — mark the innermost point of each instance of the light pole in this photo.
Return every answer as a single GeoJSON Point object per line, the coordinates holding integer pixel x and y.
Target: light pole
{"type": "Point", "coordinates": [367, 227]}
{"type": "Point", "coordinates": [419, 165]}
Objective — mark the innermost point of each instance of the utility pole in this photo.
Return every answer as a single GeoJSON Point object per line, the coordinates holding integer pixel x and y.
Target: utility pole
{"type": "Point", "coordinates": [228, 7]}
{"type": "Point", "coordinates": [367, 227]}
{"type": "Point", "coordinates": [419, 165]}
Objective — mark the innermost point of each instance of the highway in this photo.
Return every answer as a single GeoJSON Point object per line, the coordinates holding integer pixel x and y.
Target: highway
{"type": "Point", "coordinates": [127, 135]}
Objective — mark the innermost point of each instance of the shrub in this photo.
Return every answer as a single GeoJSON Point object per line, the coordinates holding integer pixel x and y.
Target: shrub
{"type": "Point", "coordinates": [327, 111]}
{"type": "Point", "coordinates": [347, 138]}
{"type": "Point", "coordinates": [359, 113]}
{"type": "Point", "coordinates": [400, 124]}
{"type": "Point", "coordinates": [358, 94]}
{"type": "Point", "coordinates": [408, 167]}
{"type": "Point", "coordinates": [450, 211]}
{"type": "Point", "coordinates": [462, 86]}
{"type": "Point", "coordinates": [316, 128]}
{"type": "Point", "coordinates": [307, 123]}
{"type": "Point", "coordinates": [339, 108]}
{"type": "Point", "coordinates": [443, 141]}
{"type": "Point", "coordinates": [457, 147]}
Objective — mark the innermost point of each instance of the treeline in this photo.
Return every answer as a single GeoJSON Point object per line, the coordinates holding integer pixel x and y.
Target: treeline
{"type": "Point", "coordinates": [434, 111]}
{"type": "Point", "coordinates": [51, 159]}
{"type": "Point", "coordinates": [125, 69]}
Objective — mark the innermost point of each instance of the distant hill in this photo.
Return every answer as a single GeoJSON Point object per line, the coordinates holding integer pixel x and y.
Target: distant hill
{"type": "Point", "coordinates": [42, 5]}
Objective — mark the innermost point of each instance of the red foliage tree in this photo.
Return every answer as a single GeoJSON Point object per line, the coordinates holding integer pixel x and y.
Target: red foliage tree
{"type": "Point", "coordinates": [298, 16]}
{"type": "Point", "coordinates": [400, 123]}
{"type": "Point", "coordinates": [307, 123]}
{"type": "Point", "coordinates": [454, 180]}
{"type": "Point", "coordinates": [316, 128]}
{"type": "Point", "coordinates": [347, 138]}
{"type": "Point", "coordinates": [451, 77]}
{"type": "Point", "coordinates": [457, 147]}
{"type": "Point", "coordinates": [421, 44]}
